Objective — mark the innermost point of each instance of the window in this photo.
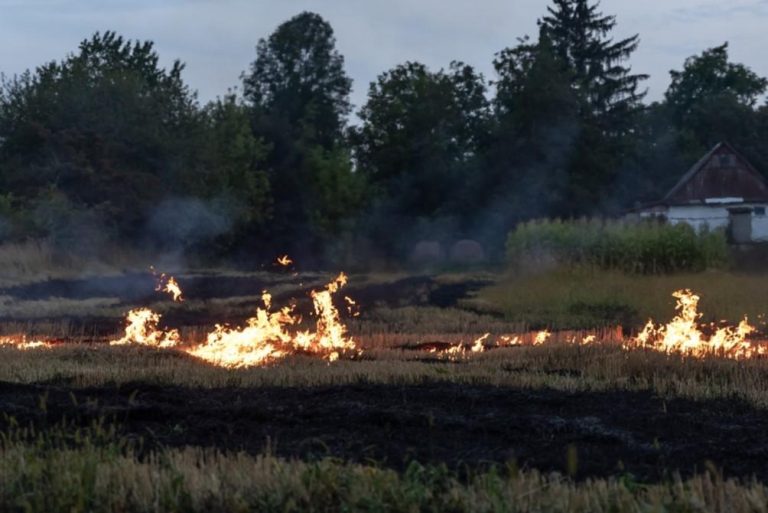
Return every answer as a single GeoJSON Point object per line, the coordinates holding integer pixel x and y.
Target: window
{"type": "Point", "coordinates": [759, 211]}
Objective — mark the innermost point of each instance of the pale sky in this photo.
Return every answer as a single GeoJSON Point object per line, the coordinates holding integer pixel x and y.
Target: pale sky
{"type": "Point", "coordinates": [217, 38]}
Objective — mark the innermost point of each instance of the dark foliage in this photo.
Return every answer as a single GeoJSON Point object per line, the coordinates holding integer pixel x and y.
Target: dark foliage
{"type": "Point", "coordinates": [107, 146]}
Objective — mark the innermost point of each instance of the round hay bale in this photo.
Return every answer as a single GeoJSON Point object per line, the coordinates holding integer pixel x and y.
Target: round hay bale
{"type": "Point", "coordinates": [427, 252]}
{"type": "Point", "coordinates": [467, 252]}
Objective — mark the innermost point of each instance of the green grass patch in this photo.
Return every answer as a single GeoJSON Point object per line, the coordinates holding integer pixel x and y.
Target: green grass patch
{"type": "Point", "coordinates": [642, 247]}
{"type": "Point", "coordinates": [569, 297]}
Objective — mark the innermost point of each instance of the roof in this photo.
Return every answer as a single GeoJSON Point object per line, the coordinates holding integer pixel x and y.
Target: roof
{"type": "Point", "coordinates": [721, 173]}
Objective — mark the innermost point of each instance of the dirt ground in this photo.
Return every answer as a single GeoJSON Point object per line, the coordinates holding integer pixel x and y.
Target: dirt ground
{"type": "Point", "coordinates": [138, 289]}
{"type": "Point", "coordinates": [462, 426]}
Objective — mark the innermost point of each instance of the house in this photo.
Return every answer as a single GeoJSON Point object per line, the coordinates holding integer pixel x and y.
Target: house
{"type": "Point", "coordinates": [722, 190]}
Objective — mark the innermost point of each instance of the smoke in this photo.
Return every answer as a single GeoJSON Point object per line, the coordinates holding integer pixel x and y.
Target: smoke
{"type": "Point", "coordinates": [180, 224]}
{"type": "Point", "coordinates": [517, 178]}
{"type": "Point", "coordinates": [76, 230]}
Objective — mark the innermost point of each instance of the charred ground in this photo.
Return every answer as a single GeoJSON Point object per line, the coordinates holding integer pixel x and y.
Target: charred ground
{"type": "Point", "coordinates": [462, 426]}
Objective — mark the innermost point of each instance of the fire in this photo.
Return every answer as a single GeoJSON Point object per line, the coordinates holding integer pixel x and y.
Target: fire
{"type": "Point", "coordinates": [352, 307]}
{"type": "Point", "coordinates": [143, 329]}
{"type": "Point", "coordinates": [508, 341]}
{"type": "Point", "coordinates": [682, 334]}
{"type": "Point", "coordinates": [284, 260]}
{"type": "Point", "coordinates": [479, 345]}
{"type": "Point", "coordinates": [24, 344]}
{"type": "Point", "coordinates": [171, 286]}
{"type": "Point", "coordinates": [541, 337]}
{"type": "Point", "coordinates": [266, 337]}
{"type": "Point", "coordinates": [273, 334]}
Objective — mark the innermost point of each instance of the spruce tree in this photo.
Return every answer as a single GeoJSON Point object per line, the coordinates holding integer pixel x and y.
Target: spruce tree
{"type": "Point", "coordinates": [579, 34]}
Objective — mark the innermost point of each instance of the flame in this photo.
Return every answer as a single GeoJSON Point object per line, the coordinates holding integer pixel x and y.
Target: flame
{"type": "Point", "coordinates": [683, 336]}
{"type": "Point", "coordinates": [479, 345]}
{"type": "Point", "coordinates": [508, 340]}
{"type": "Point", "coordinates": [272, 334]}
{"type": "Point", "coordinates": [284, 260]}
{"type": "Point", "coordinates": [541, 337]}
{"type": "Point", "coordinates": [172, 287]}
{"type": "Point", "coordinates": [24, 344]}
{"type": "Point", "coordinates": [352, 307]}
{"type": "Point", "coordinates": [169, 285]}
{"type": "Point", "coordinates": [143, 329]}
{"type": "Point", "coordinates": [266, 337]}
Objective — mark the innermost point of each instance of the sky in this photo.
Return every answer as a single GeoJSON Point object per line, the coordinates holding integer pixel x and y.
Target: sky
{"type": "Point", "coordinates": [217, 38]}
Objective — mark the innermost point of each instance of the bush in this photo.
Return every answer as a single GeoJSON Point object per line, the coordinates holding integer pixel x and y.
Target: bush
{"type": "Point", "coordinates": [644, 247]}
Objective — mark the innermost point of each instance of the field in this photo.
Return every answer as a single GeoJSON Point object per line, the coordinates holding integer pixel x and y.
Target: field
{"type": "Point", "coordinates": [402, 425]}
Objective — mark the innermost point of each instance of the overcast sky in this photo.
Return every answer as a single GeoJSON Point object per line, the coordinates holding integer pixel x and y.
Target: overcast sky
{"type": "Point", "coordinates": [216, 38]}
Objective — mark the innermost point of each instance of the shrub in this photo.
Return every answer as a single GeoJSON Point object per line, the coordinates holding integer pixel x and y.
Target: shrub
{"type": "Point", "coordinates": [644, 247]}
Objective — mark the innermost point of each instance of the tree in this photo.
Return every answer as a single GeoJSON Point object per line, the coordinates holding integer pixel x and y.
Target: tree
{"type": "Point", "coordinates": [537, 121]}
{"type": "Point", "coordinates": [233, 159]}
{"type": "Point", "coordinates": [578, 34]}
{"type": "Point", "coordinates": [298, 82]}
{"type": "Point", "coordinates": [105, 129]}
{"type": "Point", "coordinates": [712, 99]}
{"type": "Point", "coordinates": [533, 88]}
{"type": "Point", "coordinates": [571, 100]}
{"type": "Point", "coordinates": [298, 93]}
{"type": "Point", "coordinates": [338, 192]}
{"type": "Point", "coordinates": [420, 129]}
{"type": "Point", "coordinates": [710, 76]}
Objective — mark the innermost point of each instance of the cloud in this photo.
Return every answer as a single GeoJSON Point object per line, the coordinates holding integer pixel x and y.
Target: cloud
{"type": "Point", "coordinates": [216, 39]}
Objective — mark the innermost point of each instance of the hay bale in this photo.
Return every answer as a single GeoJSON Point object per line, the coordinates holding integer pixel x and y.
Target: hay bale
{"type": "Point", "coordinates": [427, 252]}
{"type": "Point", "coordinates": [467, 252]}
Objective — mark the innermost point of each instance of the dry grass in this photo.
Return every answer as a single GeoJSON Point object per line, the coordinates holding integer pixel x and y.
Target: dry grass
{"type": "Point", "coordinates": [36, 260]}
{"type": "Point", "coordinates": [104, 473]}
{"type": "Point", "coordinates": [419, 320]}
{"type": "Point", "coordinates": [557, 366]}
{"type": "Point", "coordinates": [93, 469]}
{"type": "Point", "coordinates": [199, 480]}
{"type": "Point", "coordinates": [60, 307]}
{"type": "Point", "coordinates": [573, 298]}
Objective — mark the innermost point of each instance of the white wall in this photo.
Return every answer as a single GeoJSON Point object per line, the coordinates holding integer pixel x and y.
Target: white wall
{"type": "Point", "coordinates": [699, 216]}
{"type": "Point", "coordinates": [760, 228]}
{"type": "Point", "coordinates": [714, 217]}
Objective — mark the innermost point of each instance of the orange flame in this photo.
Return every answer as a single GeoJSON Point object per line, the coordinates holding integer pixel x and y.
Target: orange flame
{"type": "Point", "coordinates": [479, 345]}
{"type": "Point", "coordinates": [284, 260]}
{"type": "Point", "coordinates": [541, 337]}
{"type": "Point", "coordinates": [352, 307]}
{"type": "Point", "coordinates": [171, 286]}
{"type": "Point", "coordinates": [683, 336]}
{"type": "Point", "coordinates": [24, 344]}
{"type": "Point", "coordinates": [142, 329]}
{"type": "Point", "coordinates": [266, 338]}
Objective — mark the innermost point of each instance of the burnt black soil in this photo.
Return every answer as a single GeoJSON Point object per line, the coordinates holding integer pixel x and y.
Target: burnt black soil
{"type": "Point", "coordinates": [459, 425]}
{"type": "Point", "coordinates": [140, 286]}
{"type": "Point", "coordinates": [139, 289]}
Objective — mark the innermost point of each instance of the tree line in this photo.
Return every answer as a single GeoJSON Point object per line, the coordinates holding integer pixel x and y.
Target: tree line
{"type": "Point", "coordinates": [105, 145]}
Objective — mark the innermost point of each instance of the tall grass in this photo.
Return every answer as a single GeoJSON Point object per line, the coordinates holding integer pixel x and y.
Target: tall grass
{"type": "Point", "coordinates": [645, 247]}
{"type": "Point", "coordinates": [568, 297]}
{"type": "Point", "coordinates": [95, 470]}
{"type": "Point", "coordinates": [587, 368]}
